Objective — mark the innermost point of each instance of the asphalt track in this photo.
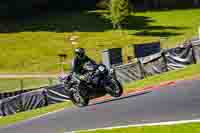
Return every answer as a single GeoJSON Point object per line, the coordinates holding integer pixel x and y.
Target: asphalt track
{"type": "Point", "coordinates": [180, 101]}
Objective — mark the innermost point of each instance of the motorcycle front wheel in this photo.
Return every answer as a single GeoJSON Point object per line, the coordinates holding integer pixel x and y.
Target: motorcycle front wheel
{"type": "Point", "coordinates": [114, 88]}
{"type": "Point", "coordinates": [78, 99]}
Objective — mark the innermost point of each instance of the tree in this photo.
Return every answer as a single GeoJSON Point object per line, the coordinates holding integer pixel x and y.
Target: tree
{"type": "Point", "coordinates": [119, 11]}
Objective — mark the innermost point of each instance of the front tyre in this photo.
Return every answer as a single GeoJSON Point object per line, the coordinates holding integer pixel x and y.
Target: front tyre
{"type": "Point", "coordinates": [79, 100]}
{"type": "Point", "coordinates": [114, 88]}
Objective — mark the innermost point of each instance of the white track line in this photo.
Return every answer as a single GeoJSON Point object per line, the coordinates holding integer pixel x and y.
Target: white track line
{"type": "Point", "coordinates": [141, 125]}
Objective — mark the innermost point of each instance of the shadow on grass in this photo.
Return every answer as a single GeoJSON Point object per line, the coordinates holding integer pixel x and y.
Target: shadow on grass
{"type": "Point", "coordinates": [79, 21]}
{"type": "Point", "coordinates": [142, 24]}
{"type": "Point", "coordinates": [55, 22]}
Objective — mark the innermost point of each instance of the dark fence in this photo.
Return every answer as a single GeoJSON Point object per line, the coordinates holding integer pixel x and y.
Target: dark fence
{"type": "Point", "coordinates": [154, 64]}
{"type": "Point", "coordinates": [18, 92]}
{"type": "Point", "coordinates": [129, 72]}
{"type": "Point", "coordinates": [196, 50]}
{"type": "Point", "coordinates": [164, 61]}
{"type": "Point", "coordinates": [23, 102]}
{"type": "Point", "coordinates": [33, 99]}
{"type": "Point", "coordinates": [56, 94]}
{"type": "Point", "coordinates": [179, 57]}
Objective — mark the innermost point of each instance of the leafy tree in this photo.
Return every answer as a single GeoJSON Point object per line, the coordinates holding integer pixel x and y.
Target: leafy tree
{"type": "Point", "coordinates": [102, 4]}
{"type": "Point", "coordinates": [119, 11]}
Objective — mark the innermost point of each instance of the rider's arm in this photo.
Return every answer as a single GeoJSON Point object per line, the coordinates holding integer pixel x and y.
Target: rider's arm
{"type": "Point", "coordinates": [74, 66]}
{"type": "Point", "coordinates": [91, 60]}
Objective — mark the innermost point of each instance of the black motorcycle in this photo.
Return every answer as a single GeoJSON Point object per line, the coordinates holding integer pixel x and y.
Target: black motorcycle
{"type": "Point", "coordinates": [97, 82]}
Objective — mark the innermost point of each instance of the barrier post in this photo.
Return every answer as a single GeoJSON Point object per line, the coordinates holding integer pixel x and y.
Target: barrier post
{"type": "Point", "coordinates": [45, 96]}
{"type": "Point", "coordinates": [50, 81]}
{"type": "Point", "coordinates": [21, 85]}
{"type": "Point", "coordinates": [164, 52]}
{"type": "Point", "coordinates": [141, 68]}
{"type": "Point", "coordinates": [62, 57]}
{"type": "Point", "coordinates": [21, 89]}
{"type": "Point", "coordinates": [3, 109]}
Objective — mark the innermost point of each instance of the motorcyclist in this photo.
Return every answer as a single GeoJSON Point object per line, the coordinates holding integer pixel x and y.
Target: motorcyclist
{"type": "Point", "coordinates": [79, 61]}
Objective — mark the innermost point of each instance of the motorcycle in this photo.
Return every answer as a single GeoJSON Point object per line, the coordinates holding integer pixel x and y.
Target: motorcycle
{"type": "Point", "coordinates": [98, 81]}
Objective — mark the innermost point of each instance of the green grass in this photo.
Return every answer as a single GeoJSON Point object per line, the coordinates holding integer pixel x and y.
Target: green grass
{"type": "Point", "coordinates": [33, 113]}
{"type": "Point", "coordinates": [32, 45]}
{"type": "Point", "coordinates": [180, 128]}
{"type": "Point", "coordinates": [8, 85]}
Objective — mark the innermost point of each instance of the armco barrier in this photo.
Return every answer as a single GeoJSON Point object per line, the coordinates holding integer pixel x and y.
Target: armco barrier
{"type": "Point", "coordinates": [196, 50]}
{"type": "Point", "coordinates": [1, 109]}
{"type": "Point", "coordinates": [32, 100]}
{"type": "Point", "coordinates": [14, 93]}
{"type": "Point", "coordinates": [154, 64]}
{"type": "Point", "coordinates": [129, 72]}
{"type": "Point", "coordinates": [167, 60]}
{"type": "Point", "coordinates": [179, 57]}
{"type": "Point", "coordinates": [23, 102]}
{"type": "Point", "coordinates": [56, 94]}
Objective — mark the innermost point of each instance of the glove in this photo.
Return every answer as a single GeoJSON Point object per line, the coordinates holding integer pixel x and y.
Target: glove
{"type": "Point", "coordinates": [62, 77]}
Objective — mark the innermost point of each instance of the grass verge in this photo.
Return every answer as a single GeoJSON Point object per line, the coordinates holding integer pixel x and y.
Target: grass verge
{"type": "Point", "coordinates": [182, 128]}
